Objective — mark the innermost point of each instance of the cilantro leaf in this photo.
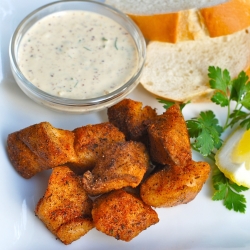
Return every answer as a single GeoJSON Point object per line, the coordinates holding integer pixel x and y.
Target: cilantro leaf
{"type": "Point", "coordinates": [238, 188]}
{"type": "Point", "coordinates": [246, 100]}
{"type": "Point", "coordinates": [237, 116]}
{"type": "Point", "coordinates": [218, 177]}
{"type": "Point", "coordinates": [246, 123]}
{"type": "Point", "coordinates": [204, 143]}
{"type": "Point", "coordinates": [239, 87]}
{"type": "Point", "coordinates": [219, 79]}
{"type": "Point", "coordinates": [228, 90]}
{"type": "Point", "coordinates": [194, 128]}
{"type": "Point", "coordinates": [168, 104]}
{"type": "Point", "coordinates": [235, 201]}
{"type": "Point", "coordinates": [211, 122]}
{"type": "Point", "coordinates": [219, 184]}
{"type": "Point", "coordinates": [220, 99]}
{"type": "Point", "coordinates": [206, 131]}
{"type": "Point", "coordinates": [220, 192]}
{"type": "Point", "coordinates": [228, 192]}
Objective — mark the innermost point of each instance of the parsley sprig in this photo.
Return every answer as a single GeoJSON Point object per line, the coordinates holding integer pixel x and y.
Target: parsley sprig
{"type": "Point", "coordinates": [228, 90]}
{"type": "Point", "coordinates": [229, 192]}
{"type": "Point", "coordinates": [205, 130]}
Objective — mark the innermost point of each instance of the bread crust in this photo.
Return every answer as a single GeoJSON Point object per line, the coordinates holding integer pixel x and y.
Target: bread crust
{"type": "Point", "coordinates": [227, 18]}
{"type": "Point", "coordinates": [223, 18]}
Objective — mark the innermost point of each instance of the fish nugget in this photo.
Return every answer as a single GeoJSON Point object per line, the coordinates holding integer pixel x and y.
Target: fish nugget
{"type": "Point", "coordinates": [90, 143]}
{"type": "Point", "coordinates": [123, 164]}
{"type": "Point", "coordinates": [129, 117]}
{"type": "Point", "coordinates": [65, 208]}
{"type": "Point", "coordinates": [122, 215]}
{"type": "Point", "coordinates": [24, 161]}
{"type": "Point", "coordinates": [53, 145]}
{"type": "Point", "coordinates": [174, 185]}
{"type": "Point", "coordinates": [168, 138]}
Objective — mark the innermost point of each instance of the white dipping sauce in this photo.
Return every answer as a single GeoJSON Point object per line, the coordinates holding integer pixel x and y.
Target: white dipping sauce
{"type": "Point", "coordinates": [77, 54]}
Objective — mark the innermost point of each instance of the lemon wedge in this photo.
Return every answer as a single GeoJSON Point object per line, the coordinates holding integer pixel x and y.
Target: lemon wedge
{"type": "Point", "coordinates": [233, 158]}
{"type": "Point", "coordinates": [241, 152]}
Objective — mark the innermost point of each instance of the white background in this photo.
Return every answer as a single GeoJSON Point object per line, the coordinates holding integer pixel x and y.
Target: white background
{"type": "Point", "coordinates": [201, 224]}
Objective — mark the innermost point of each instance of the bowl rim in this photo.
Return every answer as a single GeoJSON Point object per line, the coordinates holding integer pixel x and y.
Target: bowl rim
{"type": "Point", "coordinates": [69, 101]}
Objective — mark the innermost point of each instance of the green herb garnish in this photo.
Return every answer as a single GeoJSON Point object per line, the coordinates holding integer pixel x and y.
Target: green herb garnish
{"type": "Point", "coordinates": [116, 43]}
{"type": "Point", "coordinates": [205, 131]}
{"type": "Point", "coordinates": [228, 192]}
{"type": "Point", "coordinates": [76, 83]}
{"type": "Point", "coordinates": [168, 104]}
{"type": "Point", "coordinates": [87, 48]}
{"type": "Point", "coordinates": [237, 90]}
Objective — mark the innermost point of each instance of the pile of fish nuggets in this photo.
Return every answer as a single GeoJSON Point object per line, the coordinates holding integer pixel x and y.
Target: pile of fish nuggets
{"type": "Point", "coordinates": [110, 176]}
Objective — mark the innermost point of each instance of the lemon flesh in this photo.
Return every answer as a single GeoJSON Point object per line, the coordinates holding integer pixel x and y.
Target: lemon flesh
{"type": "Point", "coordinates": [241, 152]}
{"type": "Point", "coordinates": [238, 172]}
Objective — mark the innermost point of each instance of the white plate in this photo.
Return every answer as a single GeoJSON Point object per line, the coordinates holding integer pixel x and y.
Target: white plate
{"type": "Point", "coordinates": [200, 224]}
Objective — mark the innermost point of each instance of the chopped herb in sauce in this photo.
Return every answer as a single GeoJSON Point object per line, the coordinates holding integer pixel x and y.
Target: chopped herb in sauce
{"type": "Point", "coordinates": [116, 43]}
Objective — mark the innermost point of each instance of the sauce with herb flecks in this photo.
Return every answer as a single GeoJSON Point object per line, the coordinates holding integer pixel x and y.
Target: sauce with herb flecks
{"type": "Point", "coordinates": [77, 54]}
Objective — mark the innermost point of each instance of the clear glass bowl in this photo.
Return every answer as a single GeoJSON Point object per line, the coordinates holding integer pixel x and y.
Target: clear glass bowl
{"type": "Point", "coordinates": [67, 104]}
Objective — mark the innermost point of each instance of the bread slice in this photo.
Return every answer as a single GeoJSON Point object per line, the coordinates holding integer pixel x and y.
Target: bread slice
{"type": "Point", "coordinates": [149, 7]}
{"type": "Point", "coordinates": [179, 71]}
{"type": "Point", "coordinates": [187, 24]}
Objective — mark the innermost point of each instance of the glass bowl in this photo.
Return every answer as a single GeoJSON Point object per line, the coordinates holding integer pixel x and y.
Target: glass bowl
{"type": "Point", "coordinates": [67, 104]}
